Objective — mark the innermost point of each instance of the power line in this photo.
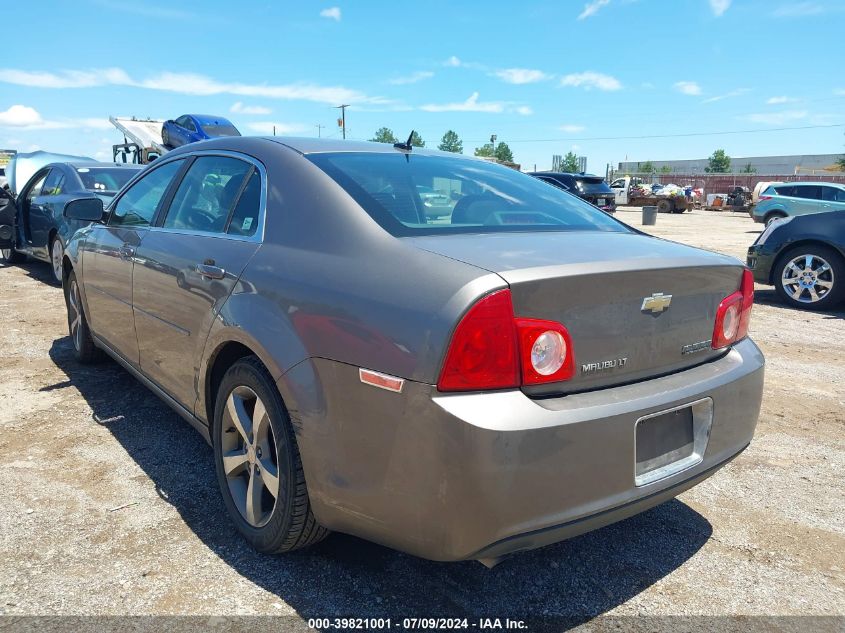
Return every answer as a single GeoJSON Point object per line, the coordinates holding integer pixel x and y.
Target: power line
{"type": "Point", "coordinates": [648, 136]}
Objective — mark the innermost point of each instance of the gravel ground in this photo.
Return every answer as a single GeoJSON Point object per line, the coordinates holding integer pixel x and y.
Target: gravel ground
{"type": "Point", "coordinates": [110, 505]}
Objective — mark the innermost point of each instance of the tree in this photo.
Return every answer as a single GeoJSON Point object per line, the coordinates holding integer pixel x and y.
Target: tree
{"type": "Point", "coordinates": [841, 163]}
{"type": "Point", "coordinates": [503, 153]}
{"type": "Point", "coordinates": [485, 151]}
{"type": "Point", "coordinates": [646, 167]}
{"type": "Point", "coordinates": [384, 135]}
{"type": "Point", "coordinates": [748, 169]}
{"type": "Point", "coordinates": [719, 163]}
{"type": "Point", "coordinates": [570, 163]}
{"type": "Point", "coordinates": [666, 169]}
{"type": "Point", "coordinates": [451, 142]}
{"type": "Point", "coordinates": [416, 140]}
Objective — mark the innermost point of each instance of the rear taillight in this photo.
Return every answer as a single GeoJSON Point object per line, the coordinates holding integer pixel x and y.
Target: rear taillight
{"type": "Point", "coordinates": [734, 314]}
{"type": "Point", "coordinates": [491, 349]}
{"type": "Point", "coordinates": [761, 198]}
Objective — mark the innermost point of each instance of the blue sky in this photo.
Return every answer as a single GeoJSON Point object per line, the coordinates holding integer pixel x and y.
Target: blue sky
{"type": "Point", "coordinates": [545, 76]}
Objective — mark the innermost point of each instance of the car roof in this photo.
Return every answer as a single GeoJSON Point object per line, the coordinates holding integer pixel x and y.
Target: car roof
{"type": "Point", "coordinates": [306, 145]}
{"type": "Point", "coordinates": [95, 165]}
{"type": "Point", "coordinates": [808, 182]}
{"type": "Point", "coordinates": [565, 173]}
{"type": "Point", "coordinates": [208, 119]}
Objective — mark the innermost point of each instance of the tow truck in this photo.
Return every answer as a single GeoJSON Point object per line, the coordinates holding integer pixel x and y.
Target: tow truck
{"type": "Point", "coordinates": [142, 142]}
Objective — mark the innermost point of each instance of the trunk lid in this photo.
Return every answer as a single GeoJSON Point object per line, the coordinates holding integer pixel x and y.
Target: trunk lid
{"type": "Point", "coordinates": [596, 283]}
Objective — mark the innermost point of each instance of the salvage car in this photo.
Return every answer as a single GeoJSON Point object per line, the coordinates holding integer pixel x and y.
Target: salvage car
{"type": "Point", "coordinates": [788, 199]}
{"type": "Point", "coordinates": [518, 373]}
{"type": "Point", "coordinates": [591, 188]}
{"type": "Point", "coordinates": [803, 257]}
{"type": "Point", "coordinates": [190, 128]}
{"type": "Point", "coordinates": [40, 229]}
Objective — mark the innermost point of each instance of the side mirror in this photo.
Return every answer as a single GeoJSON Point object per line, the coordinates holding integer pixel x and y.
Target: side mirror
{"type": "Point", "coordinates": [84, 209]}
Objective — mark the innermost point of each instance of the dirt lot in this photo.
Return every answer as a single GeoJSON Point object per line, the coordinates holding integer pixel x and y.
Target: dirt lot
{"type": "Point", "coordinates": [109, 503]}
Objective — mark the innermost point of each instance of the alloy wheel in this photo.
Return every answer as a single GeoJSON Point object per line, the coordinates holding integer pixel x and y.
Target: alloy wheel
{"type": "Point", "coordinates": [807, 278]}
{"type": "Point", "coordinates": [74, 315]}
{"type": "Point", "coordinates": [250, 457]}
{"type": "Point", "coordinates": [57, 253]}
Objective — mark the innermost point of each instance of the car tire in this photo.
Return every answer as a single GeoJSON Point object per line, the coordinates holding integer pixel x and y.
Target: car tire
{"type": "Point", "coordinates": [10, 256]}
{"type": "Point", "coordinates": [247, 449]}
{"type": "Point", "coordinates": [84, 348]}
{"type": "Point", "coordinates": [165, 137]}
{"type": "Point", "coordinates": [774, 215]}
{"type": "Point", "coordinates": [57, 254]}
{"type": "Point", "coordinates": [828, 286]}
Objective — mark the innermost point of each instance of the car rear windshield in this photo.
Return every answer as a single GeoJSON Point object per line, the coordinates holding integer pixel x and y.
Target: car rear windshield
{"type": "Point", "coordinates": [593, 184]}
{"type": "Point", "coordinates": [482, 197]}
{"type": "Point", "coordinates": [221, 130]}
{"type": "Point", "coordinates": [104, 179]}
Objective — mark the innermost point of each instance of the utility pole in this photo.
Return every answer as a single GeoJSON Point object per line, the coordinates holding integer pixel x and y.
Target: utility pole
{"type": "Point", "coordinates": [319, 128]}
{"type": "Point", "coordinates": [342, 120]}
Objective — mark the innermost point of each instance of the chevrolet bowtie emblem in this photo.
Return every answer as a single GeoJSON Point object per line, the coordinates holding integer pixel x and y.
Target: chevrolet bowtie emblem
{"type": "Point", "coordinates": [656, 303]}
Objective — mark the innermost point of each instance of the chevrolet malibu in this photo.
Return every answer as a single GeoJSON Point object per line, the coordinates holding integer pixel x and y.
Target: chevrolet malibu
{"type": "Point", "coordinates": [518, 372]}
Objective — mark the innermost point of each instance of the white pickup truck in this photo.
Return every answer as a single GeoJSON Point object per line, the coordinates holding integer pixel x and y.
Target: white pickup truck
{"type": "Point", "coordinates": [633, 192]}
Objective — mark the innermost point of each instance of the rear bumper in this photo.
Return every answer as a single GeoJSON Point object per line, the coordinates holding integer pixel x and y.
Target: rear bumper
{"type": "Point", "coordinates": [760, 262]}
{"type": "Point", "coordinates": [463, 476]}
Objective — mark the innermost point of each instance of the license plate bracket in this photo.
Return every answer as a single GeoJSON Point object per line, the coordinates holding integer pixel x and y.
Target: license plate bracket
{"type": "Point", "coordinates": [672, 440]}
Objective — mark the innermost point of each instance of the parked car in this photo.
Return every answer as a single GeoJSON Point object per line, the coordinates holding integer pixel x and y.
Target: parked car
{"type": "Point", "coordinates": [527, 371]}
{"type": "Point", "coordinates": [797, 198]}
{"type": "Point", "coordinates": [591, 188]}
{"type": "Point", "coordinates": [40, 229]}
{"type": "Point", "coordinates": [190, 128]}
{"type": "Point", "coordinates": [803, 257]}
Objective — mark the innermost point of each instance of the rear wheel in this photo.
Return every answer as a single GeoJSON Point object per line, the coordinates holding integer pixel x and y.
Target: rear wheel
{"type": "Point", "coordinates": [665, 206]}
{"type": "Point", "coordinates": [259, 469]}
{"type": "Point", "coordinates": [57, 254]}
{"type": "Point", "coordinates": [775, 215]}
{"type": "Point", "coordinates": [80, 335]}
{"type": "Point", "coordinates": [810, 277]}
{"type": "Point", "coordinates": [165, 137]}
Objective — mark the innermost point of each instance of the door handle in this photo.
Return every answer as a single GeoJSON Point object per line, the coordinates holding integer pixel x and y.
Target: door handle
{"type": "Point", "coordinates": [210, 271]}
{"type": "Point", "coordinates": [127, 252]}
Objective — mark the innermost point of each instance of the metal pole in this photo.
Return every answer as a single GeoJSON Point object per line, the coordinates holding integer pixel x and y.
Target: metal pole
{"type": "Point", "coordinates": [343, 107]}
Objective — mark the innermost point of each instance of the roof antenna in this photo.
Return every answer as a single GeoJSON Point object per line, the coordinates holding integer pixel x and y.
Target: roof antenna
{"type": "Point", "coordinates": [407, 144]}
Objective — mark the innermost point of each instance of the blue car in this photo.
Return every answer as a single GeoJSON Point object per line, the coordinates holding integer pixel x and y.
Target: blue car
{"type": "Point", "coordinates": [36, 217]}
{"type": "Point", "coordinates": [788, 199]}
{"type": "Point", "coordinates": [190, 128]}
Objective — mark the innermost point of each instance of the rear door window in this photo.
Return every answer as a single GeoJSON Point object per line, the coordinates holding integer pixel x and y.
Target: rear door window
{"type": "Point", "coordinates": [808, 192]}
{"type": "Point", "coordinates": [246, 214]}
{"type": "Point", "coordinates": [55, 183]}
{"type": "Point", "coordinates": [785, 190]}
{"type": "Point", "coordinates": [207, 195]}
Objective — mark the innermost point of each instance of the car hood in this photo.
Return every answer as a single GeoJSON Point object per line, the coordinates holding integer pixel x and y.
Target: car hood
{"type": "Point", "coordinates": [23, 166]}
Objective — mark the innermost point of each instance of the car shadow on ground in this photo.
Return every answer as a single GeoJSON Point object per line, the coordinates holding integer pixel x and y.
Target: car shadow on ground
{"type": "Point", "coordinates": [35, 269]}
{"type": "Point", "coordinates": [769, 297]}
{"type": "Point", "coordinates": [561, 585]}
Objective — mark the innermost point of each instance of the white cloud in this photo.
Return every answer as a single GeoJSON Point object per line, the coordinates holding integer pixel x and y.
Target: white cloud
{"type": "Point", "coordinates": [688, 88]}
{"type": "Point", "coordinates": [266, 127]}
{"type": "Point", "coordinates": [185, 83]}
{"type": "Point", "coordinates": [591, 8]}
{"type": "Point", "coordinates": [719, 6]}
{"type": "Point", "coordinates": [472, 104]}
{"type": "Point", "coordinates": [798, 10]}
{"type": "Point", "coordinates": [572, 129]}
{"type": "Point", "coordinates": [779, 100]}
{"type": "Point", "coordinates": [591, 80]}
{"type": "Point", "coordinates": [452, 61]}
{"type": "Point", "coordinates": [733, 93]}
{"type": "Point", "coordinates": [777, 118]}
{"type": "Point", "coordinates": [20, 116]}
{"type": "Point", "coordinates": [524, 110]}
{"type": "Point", "coordinates": [240, 108]}
{"type": "Point", "coordinates": [412, 78]}
{"type": "Point", "coordinates": [840, 92]}
{"type": "Point", "coordinates": [521, 75]}
{"type": "Point", "coordinates": [332, 13]}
